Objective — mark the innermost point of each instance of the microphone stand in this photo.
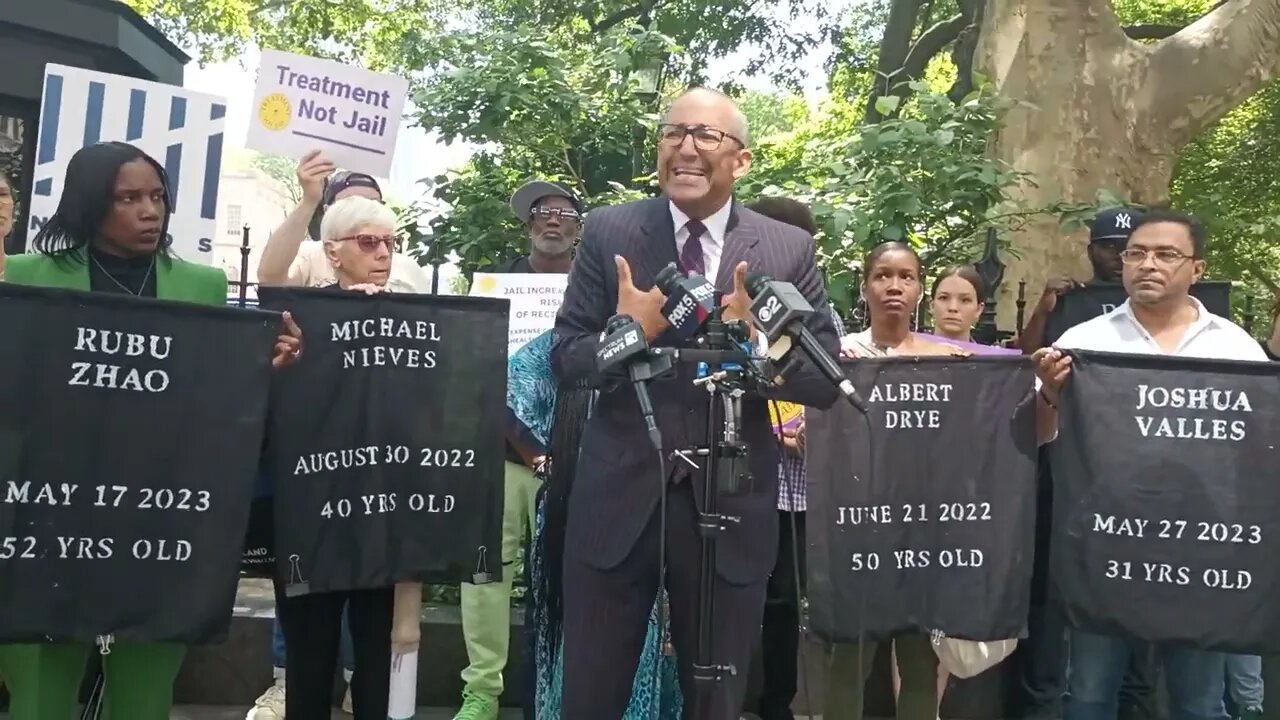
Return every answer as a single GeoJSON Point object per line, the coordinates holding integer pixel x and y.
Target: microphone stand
{"type": "Point", "coordinates": [724, 376]}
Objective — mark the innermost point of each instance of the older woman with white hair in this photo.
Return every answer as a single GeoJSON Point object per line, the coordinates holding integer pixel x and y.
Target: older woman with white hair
{"type": "Point", "coordinates": [359, 240]}
{"type": "Point", "coordinates": [359, 237]}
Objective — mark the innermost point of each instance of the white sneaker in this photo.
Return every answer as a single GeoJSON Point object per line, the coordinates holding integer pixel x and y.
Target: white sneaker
{"type": "Point", "coordinates": [346, 702]}
{"type": "Point", "coordinates": [270, 706]}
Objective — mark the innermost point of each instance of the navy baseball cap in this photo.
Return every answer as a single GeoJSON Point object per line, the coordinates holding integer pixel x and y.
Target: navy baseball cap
{"type": "Point", "coordinates": [344, 179]}
{"type": "Point", "coordinates": [1113, 224]}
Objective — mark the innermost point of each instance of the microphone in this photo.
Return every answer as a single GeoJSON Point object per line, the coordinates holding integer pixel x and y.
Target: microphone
{"type": "Point", "coordinates": [622, 344]}
{"type": "Point", "coordinates": [779, 310]}
{"type": "Point", "coordinates": [691, 301]}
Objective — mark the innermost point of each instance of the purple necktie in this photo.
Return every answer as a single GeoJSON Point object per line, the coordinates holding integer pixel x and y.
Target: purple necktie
{"type": "Point", "coordinates": [691, 261]}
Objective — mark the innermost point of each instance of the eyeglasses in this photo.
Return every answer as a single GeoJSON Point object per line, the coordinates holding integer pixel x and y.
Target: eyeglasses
{"type": "Point", "coordinates": [546, 213]}
{"type": "Point", "coordinates": [1164, 256]}
{"type": "Point", "coordinates": [704, 138]}
{"type": "Point", "coordinates": [370, 243]}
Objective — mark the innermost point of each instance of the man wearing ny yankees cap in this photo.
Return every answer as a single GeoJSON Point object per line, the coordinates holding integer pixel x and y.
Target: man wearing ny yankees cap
{"type": "Point", "coordinates": [1042, 657]}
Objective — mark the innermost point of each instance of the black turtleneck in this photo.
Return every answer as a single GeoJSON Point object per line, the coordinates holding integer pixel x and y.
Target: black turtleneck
{"type": "Point", "coordinates": [133, 273]}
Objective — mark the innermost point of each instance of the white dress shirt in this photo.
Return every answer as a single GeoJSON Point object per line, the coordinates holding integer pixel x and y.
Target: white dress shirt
{"type": "Point", "coordinates": [712, 240]}
{"type": "Point", "coordinates": [1208, 336]}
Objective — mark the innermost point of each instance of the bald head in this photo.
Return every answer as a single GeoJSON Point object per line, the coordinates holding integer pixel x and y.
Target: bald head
{"type": "Point", "coordinates": [711, 103]}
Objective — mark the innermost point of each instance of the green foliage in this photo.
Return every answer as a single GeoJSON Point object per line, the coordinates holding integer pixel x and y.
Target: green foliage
{"type": "Point", "coordinates": [281, 169]}
{"type": "Point", "coordinates": [360, 31]}
{"type": "Point", "coordinates": [538, 109]}
{"type": "Point", "coordinates": [925, 178]}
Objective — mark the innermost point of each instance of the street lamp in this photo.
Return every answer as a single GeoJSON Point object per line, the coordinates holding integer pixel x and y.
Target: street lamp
{"type": "Point", "coordinates": [648, 74]}
{"type": "Point", "coordinates": [648, 71]}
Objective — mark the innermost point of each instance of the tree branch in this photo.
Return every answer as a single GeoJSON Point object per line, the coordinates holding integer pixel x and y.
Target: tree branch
{"type": "Point", "coordinates": [1199, 74]}
{"type": "Point", "coordinates": [641, 9]}
{"type": "Point", "coordinates": [1152, 32]}
{"type": "Point", "coordinates": [962, 52]}
{"type": "Point", "coordinates": [931, 42]}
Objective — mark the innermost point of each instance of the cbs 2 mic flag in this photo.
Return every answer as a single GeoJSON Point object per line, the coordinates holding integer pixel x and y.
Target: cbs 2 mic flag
{"type": "Point", "coordinates": [131, 432]}
{"type": "Point", "coordinates": [922, 512]}
{"type": "Point", "coordinates": [1165, 494]}
{"type": "Point", "coordinates": [387, 443]}
{"type": "Point", "coordinates": [181, 129]}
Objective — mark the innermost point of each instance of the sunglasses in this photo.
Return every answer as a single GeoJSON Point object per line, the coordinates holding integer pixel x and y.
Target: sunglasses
{"type": "Point", "coordinates": [546, 213]}
{"type": "Point", "coordinates": [370, 243]}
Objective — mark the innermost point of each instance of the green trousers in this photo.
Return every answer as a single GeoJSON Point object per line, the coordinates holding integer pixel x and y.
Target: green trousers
{"type": "Point", "coordinates": [486, 609]}
{"type": "Point", "coordinates": [44, 680]}
{"type": "Point", "coordinates": [917, 666]}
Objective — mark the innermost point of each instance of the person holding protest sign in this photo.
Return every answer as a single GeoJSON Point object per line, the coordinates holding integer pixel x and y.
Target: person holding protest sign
{"type": "Point", "coordinates": [110, 234]}
{"type": "Point", "coordinates": [552, 217]}
{"type": "Point", "coordinates": [1163, 259]}
{"type": "Point", "coordinates": [290, 259]}
{"type": "Point", "coordinates": [892, 291]}
{"type": "Point", "coordinates": [359, 239]}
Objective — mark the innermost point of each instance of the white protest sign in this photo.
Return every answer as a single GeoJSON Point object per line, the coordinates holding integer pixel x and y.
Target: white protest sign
{"type": "Point", "coordinates": [535, 300]}
{"type": "Point", "coordinates": [182, 130]}
{"type": "Point", "coordinates": [304, 103]}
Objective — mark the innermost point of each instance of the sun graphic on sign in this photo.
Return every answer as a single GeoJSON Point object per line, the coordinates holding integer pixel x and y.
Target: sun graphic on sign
{"type": "Point", "coordinates": [275, 111]}
{"type": "Point", "coordinates": [486, 284]}
{"type": "Point", "coordinates": [785, 415]}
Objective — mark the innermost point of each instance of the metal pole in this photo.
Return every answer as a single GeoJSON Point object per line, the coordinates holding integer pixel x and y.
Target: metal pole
{"type": "Point", "coordinates": [244, 265]}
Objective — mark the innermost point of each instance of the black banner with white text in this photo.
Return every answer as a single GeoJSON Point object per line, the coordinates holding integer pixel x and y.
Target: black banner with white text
{"type": "Point", "coordinates": [386, 441]}
{"type": "Point", "coordinates": [921, 513]}
{"type": "Point", "coordinates": [1165, 496]}
{"type": "Point", "coordinates": [130, 435]}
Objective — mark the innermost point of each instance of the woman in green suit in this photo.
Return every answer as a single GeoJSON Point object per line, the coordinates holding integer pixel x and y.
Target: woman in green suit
{"type": "Point", "coordinates": [110, 234]}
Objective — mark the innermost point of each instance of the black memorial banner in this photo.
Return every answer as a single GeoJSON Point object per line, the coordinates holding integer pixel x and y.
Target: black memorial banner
{"type": "Point", "coordinates": [130, 435]}
{"type": "Point", "coordinates": [1090, 300]}
{"type": "Point", "coordinates": [386, 444]}
{"type": "Point", "coordinates": [1165, 494]}
{"type": "Point", "coordinates": [921, 513]}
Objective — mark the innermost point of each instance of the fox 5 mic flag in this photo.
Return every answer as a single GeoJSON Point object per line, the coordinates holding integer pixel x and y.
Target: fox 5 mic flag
{"type": "Point", "coordinates": [387, 440]}
{"type": "Point", "coordinates": [921, 513]}
{"type": "Point", "coordinates": [181, 129]}
{"type": "Point", "coordinates": [1165, 526]}
{"type": "Point", "coordinates": [130, 434]}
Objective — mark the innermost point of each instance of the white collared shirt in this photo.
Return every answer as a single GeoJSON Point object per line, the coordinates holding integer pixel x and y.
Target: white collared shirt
{"type": "Point", "coordinates": [712, 240]}
{"type": "Point", "coordinates": [1208, 336]}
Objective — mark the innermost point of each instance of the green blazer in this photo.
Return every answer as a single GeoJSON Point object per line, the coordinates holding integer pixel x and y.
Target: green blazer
{"type": "Point", "coordinates": [175, 279]}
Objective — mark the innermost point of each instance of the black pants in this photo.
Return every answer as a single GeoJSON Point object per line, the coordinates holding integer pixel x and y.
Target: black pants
{"type": "Point", "coordinates": [1138, 699]}
{"type": "Point", "coordinates": [780, 632]}
{"type": "Point", "coordinates": [312, 627]}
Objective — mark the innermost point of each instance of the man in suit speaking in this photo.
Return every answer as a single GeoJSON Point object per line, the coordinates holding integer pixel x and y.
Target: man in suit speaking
{"type": "Point", "coordinates": [612, 562]}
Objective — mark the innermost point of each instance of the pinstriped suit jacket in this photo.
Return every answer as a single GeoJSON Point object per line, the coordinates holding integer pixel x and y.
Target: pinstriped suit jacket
{"type": "Point", "coordinates": [616, 488]}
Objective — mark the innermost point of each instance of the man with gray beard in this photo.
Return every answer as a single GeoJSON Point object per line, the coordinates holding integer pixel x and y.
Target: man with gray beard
{"type": "Point", "coordinates": [552, 217]}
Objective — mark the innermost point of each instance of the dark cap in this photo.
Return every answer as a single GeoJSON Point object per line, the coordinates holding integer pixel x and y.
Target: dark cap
{"type": "Point", "coordinates": [1113, 224]}
{"type": "Point", "coordinates": [344, 179]}
{"type": "Point", "coordinates": [529, 194]}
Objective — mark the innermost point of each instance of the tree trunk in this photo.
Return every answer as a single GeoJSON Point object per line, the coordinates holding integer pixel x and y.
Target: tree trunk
{"type": "Point", "coordinates": [1100, 111]}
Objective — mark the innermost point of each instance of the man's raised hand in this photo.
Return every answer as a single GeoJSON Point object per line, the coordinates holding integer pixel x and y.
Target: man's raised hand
{"type": "Point", "coordinates": [643, 307]}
